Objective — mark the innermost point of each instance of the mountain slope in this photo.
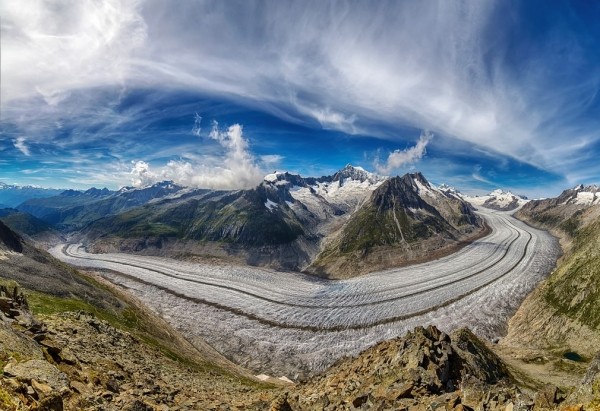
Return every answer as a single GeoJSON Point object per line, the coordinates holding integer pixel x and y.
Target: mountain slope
{"type": "Point", "coordinates": [280, 223]}
{"type": "Point", "coordinates": [30, 226]}
{"type": "Point", "coordinates": [563, 314]}
{"type": "Point", "coordinates": [403, 220]}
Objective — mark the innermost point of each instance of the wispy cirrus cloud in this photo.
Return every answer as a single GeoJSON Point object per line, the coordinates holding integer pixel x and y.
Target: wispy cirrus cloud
{"type": "Point", "coordinates": [19, 143]}
{"type": "Point", "coordinates": [347, 66]}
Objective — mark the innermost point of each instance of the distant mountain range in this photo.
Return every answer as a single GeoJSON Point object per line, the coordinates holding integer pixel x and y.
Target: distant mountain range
{"type": "Point", "coordinates": [12, 195]}
{"type": "Point", "coordinates": [498, 200]}
{"type": "Point", "coordinates": [289, 221]}
{"type": "Point", "coordinates": [340, 225]}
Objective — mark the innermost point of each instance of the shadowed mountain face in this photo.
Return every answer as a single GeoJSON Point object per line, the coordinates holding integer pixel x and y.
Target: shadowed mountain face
{"type": "Point", "coordinates": [9, 240]}
{"type": "Point", "coordinates": [27, 224]}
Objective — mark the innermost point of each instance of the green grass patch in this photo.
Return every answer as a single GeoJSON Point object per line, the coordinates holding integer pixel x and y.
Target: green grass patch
{"type": "Point", "coordinates": [6, 402]}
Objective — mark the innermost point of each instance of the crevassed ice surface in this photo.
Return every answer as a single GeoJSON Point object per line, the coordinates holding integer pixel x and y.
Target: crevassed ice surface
{"type": "Point", "coordinates": [286, 323]}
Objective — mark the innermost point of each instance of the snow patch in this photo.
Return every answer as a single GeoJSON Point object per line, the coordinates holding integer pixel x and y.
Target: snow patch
{"type": "Point", "coordinates": [271, 205]}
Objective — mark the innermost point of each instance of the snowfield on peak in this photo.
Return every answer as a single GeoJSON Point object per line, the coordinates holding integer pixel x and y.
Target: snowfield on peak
{"type": "Point", "coordinates": [498, 200]}
{"type": "Point", "coordinates": [581, 195]}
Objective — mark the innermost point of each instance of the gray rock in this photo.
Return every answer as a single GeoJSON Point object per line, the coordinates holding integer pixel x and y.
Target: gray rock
{"type": "Point", "coordinates": [39, 370]}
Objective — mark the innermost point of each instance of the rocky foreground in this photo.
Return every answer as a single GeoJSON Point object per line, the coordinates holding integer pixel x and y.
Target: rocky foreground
{"type": "Point", "coordinates": [74, 361]}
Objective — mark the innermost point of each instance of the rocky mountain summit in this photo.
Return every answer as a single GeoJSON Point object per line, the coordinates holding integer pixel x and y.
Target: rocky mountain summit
{"type": "Point", "coordinates": [403, 220]}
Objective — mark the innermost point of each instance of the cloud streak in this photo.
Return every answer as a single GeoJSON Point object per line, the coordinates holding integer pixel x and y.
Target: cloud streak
{"type": "Point", "coordinates": [20, 145]}
{"type": "Point", "coordinates": [399, 158]}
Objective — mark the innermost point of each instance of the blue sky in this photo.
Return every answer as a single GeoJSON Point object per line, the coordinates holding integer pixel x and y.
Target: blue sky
{"type": "Point", "coordinates": [478, 95]}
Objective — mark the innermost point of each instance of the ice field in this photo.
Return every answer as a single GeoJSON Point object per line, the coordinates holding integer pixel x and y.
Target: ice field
{"type": "Point", "coordinates": [288, 323]}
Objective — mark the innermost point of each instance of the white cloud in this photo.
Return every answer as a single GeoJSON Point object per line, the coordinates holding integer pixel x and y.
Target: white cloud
{"type": "Point", "coordinates": [19, 143]}
{"type": "Point", "coordinates": [142, 176]}
{"type": "Point", "coordinates": [271, 160]}
{"type": "Point", "coordinates": [236, 168]}
{"type": "Point", "coordinates": [427, 64]}
{"type": "Point", "coordinates": [399, 158]}
{"type": "Point", "coordinates": [196, 130]}
{"type": "Point", "coordinates": [51, 48]}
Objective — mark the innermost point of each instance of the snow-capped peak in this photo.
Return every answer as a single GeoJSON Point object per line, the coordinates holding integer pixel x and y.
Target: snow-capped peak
{"type": "Point", "coordinates": [273, 177]}
{"type": "Point", "coordinates": [581, 195]}
{"type": "Point", "coordinates": [350, 172]}
{"type": "Point", "coordinates": [498, 200]}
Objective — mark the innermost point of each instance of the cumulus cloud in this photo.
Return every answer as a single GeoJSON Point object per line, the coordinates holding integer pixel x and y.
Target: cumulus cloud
{"type": "Point", "coordinates": [19, 144]}
{"type": "Point", "coordinates": [399, 158]}
{"type": "Point", "coordinates": [141, 175]}
{"type": "Point", "coordinates": [236, 168]}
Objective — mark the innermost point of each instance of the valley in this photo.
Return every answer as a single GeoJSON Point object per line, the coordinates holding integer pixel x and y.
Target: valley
{"type": "Point", "coordinates": [288, 323]}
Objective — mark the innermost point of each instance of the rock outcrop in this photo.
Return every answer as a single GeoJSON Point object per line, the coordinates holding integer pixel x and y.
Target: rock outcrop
{"type": "Point", "coordinates": [74, 361]}
{"type": "Point", "coordinates": [426, 369]}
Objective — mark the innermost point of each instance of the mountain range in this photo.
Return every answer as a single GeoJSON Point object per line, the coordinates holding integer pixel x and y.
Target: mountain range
{"type": "Point", "coordinates": [320, 225]}
{"type": "Point", "coordinates": [337, 226]}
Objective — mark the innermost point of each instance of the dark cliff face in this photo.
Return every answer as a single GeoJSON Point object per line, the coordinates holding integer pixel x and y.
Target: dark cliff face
{"type": "Point", "coordinates": [10, 239]}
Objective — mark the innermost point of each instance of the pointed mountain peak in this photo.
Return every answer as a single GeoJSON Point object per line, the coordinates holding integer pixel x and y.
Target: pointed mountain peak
{"type": "Point", "coordinates": [350, 172]}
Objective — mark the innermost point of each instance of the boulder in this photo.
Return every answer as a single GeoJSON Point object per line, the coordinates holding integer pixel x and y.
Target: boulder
{"type": "Point", "coordinates": [39, 370]}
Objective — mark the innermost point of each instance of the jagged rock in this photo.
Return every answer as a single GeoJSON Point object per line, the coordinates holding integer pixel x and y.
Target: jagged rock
{"type": "Point", "coordinates": [421, 368]}
{"type": "Point", "coordinates": [281, 403]}
{"type": "Point", "coordinates": [40, 388]}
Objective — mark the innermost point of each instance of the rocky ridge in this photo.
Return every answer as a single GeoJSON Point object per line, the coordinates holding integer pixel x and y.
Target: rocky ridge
{"type": "Point", "coordinates": [75, 361]}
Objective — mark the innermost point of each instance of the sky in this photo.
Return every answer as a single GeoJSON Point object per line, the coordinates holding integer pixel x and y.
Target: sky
{"type": "Point", "coordinates": [476, 94]}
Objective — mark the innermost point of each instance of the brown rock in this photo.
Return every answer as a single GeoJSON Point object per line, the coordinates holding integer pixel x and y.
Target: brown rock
{"type": "Point", "coordinates": [52, 347]}
{"type": "Point", "coordinates": [546, 398]}
{"type": "Point", "coordinates": [576, 407]}
{"type": "Point", "coordinates": [41, 388]}
{"type": "Point", "coordinates": [281, 404]}
{"type": "Point", "coordinates": [51, 403]}
{"type": "Point", "coordinates": [402, 392]}
{"type": "Point", "coordinates": [39, 370]}
{"type": "Point", "coordinates": [79, 387]}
